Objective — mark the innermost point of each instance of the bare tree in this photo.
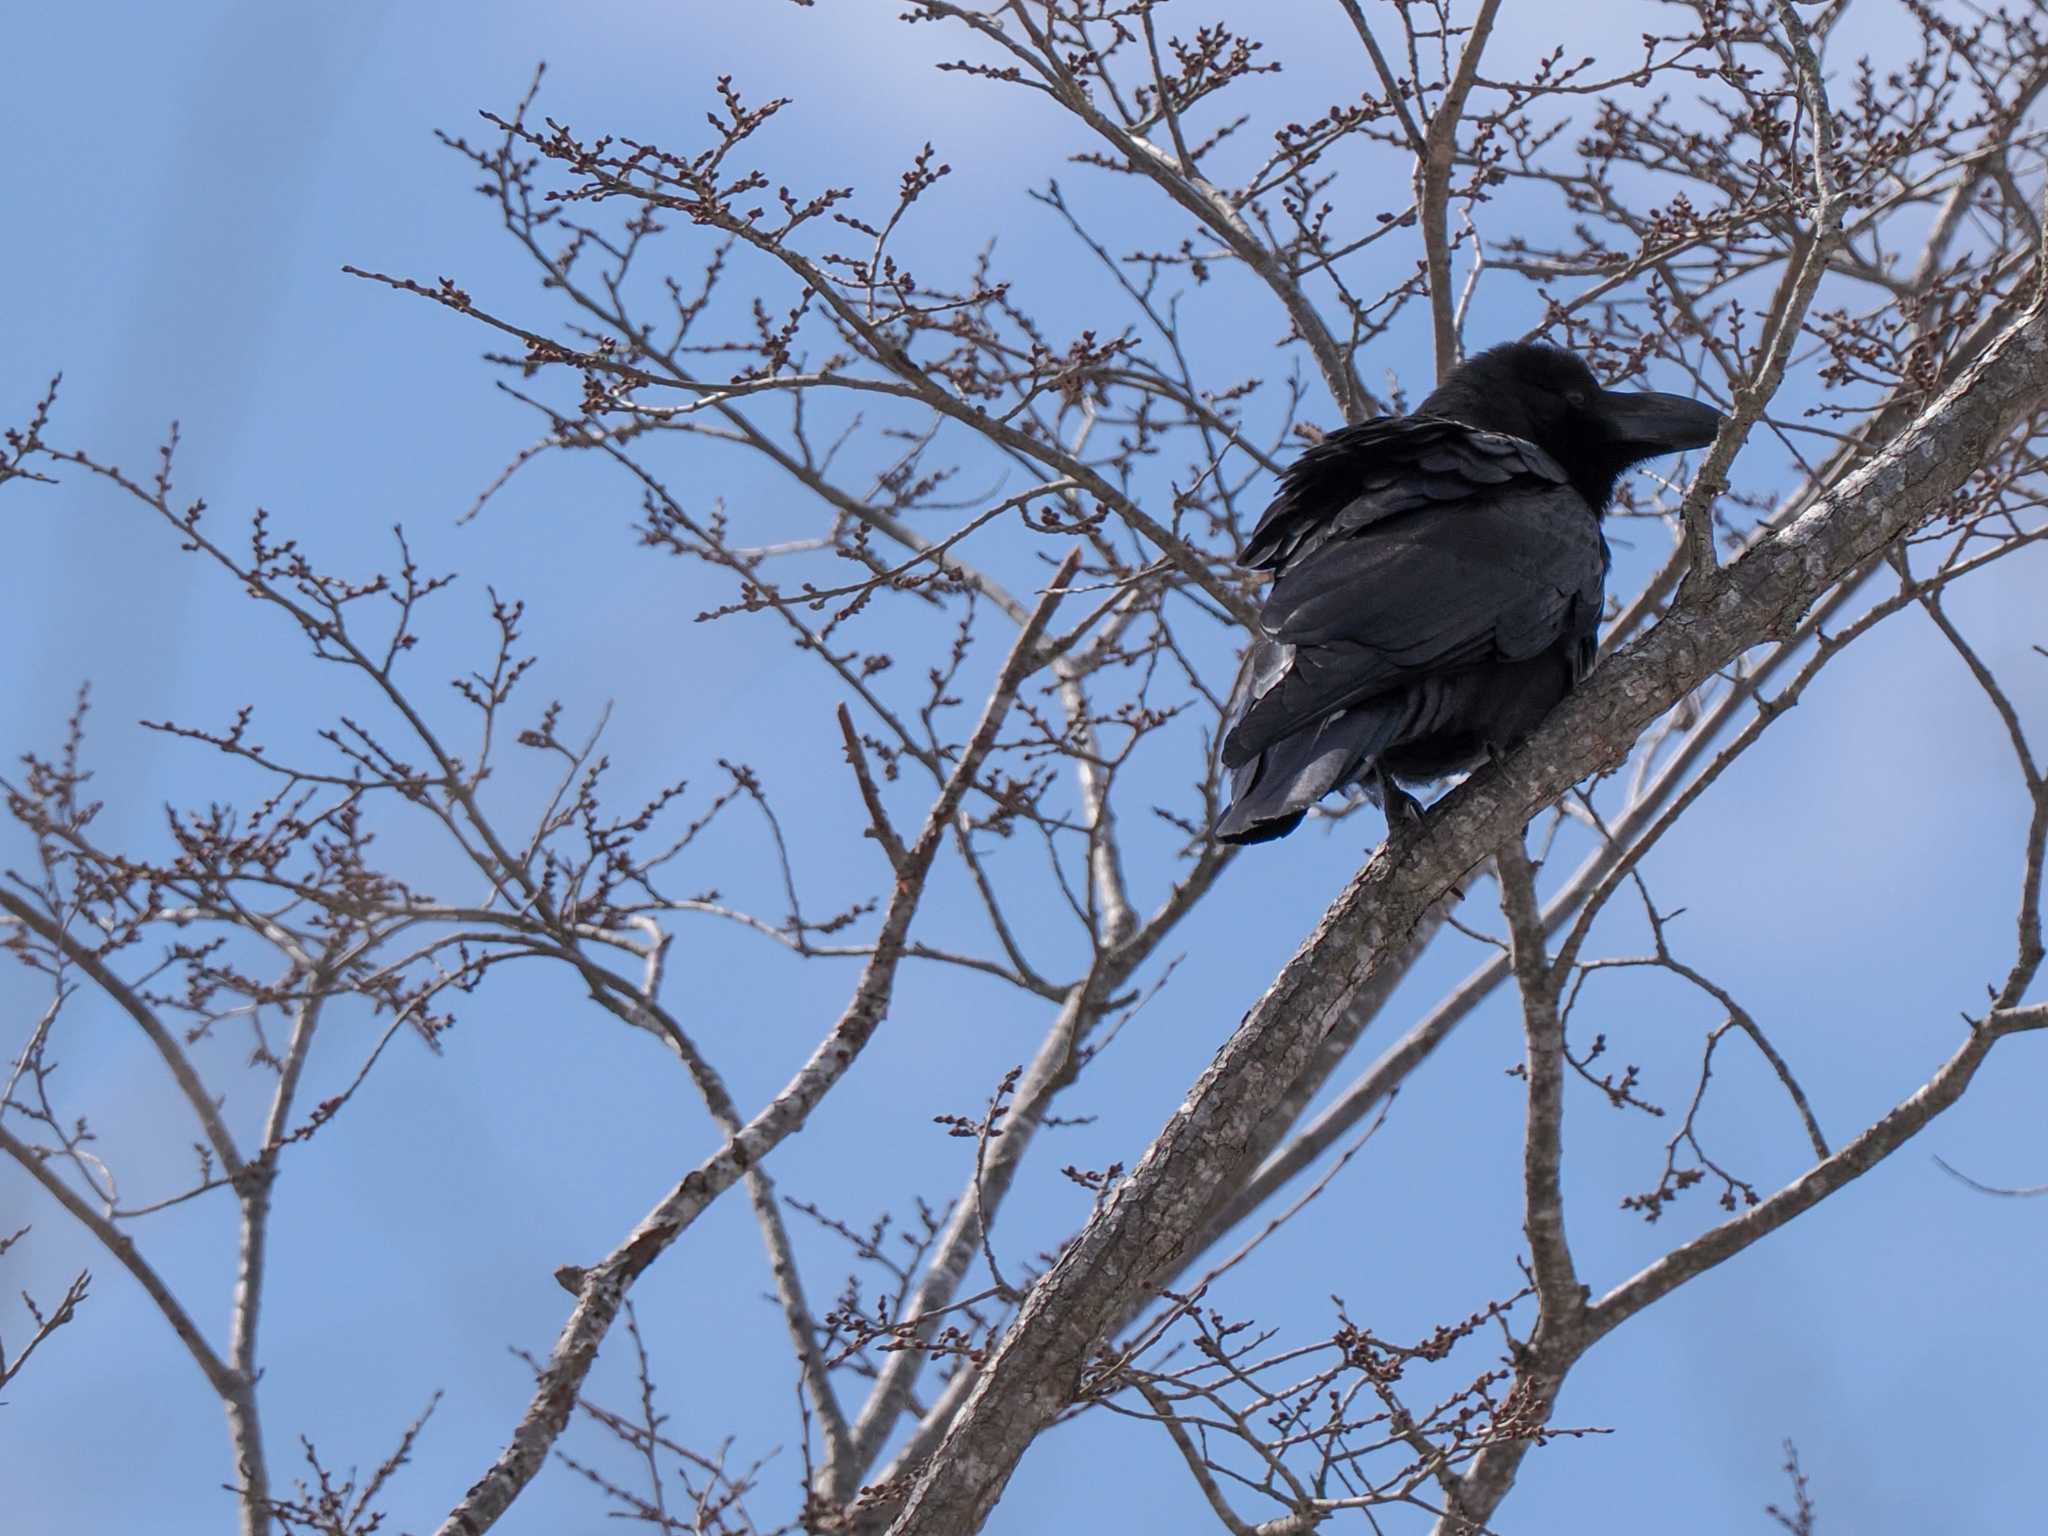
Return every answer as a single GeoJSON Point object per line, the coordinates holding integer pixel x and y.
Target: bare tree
{"type": "Point", "coordinates": [1038, 498]}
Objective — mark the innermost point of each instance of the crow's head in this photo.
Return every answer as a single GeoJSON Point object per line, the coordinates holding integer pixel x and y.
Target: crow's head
{"type": "Point", "coordinates": [1550, 398]}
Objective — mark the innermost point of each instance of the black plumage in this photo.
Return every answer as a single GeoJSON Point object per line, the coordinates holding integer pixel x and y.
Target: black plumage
{"type": "Point", "coordinates": [1437, 582]}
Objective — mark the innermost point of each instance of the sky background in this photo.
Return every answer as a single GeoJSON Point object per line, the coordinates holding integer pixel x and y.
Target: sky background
{"type": "Point", "coordinates": [184, 185]}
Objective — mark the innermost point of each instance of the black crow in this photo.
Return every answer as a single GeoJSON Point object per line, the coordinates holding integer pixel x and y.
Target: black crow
{"type": "Point", "coordinates": [1437, 582]}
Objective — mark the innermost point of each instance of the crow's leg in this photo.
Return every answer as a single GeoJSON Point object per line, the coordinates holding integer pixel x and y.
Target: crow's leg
{"type": "Point", "coordinates": [1404, 811]}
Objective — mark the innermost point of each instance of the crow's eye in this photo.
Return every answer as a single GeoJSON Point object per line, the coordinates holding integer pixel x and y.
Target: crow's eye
{"type": "Point", "coordinates": [1575, 398]}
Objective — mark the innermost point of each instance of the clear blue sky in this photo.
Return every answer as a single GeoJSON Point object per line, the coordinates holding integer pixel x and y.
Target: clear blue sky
{"type": "Point", "coordinates": [184, 185]}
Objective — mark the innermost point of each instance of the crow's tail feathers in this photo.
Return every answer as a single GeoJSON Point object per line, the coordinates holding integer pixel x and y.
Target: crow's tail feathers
{"type": "Point", "coordinates": [1271, 792]}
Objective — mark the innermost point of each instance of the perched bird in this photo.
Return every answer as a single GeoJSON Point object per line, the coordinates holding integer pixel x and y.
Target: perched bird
{"type": "Point", "coordinates": [1437, 582]}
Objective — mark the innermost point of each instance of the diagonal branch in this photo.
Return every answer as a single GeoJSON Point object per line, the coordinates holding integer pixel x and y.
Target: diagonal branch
{"type": "Point", "coordinates": [601, 1290]}
{"type": "Point", "coordinates": [1492, 1473]}
{"type": "Point", "coordinates": [122, 1248]}
{"type": "Point", "coordinates": [1823, 1179]}
{"type": "Point", "coordinates": [195, 1093]}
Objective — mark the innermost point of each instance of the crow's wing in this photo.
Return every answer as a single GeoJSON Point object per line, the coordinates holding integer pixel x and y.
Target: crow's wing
{"type": "Point", "coordinates": [1483, 553]}
{"type": "Point", "coordinates": [1385, 468]}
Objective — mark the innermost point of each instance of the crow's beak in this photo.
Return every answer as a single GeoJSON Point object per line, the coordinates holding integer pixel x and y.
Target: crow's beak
{"type": "Point", "coordinates": [1657, 423]}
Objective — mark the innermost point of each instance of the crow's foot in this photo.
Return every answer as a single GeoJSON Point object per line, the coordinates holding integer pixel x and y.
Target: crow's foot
{"type": "Point", "coordinates": [1404, 812]}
